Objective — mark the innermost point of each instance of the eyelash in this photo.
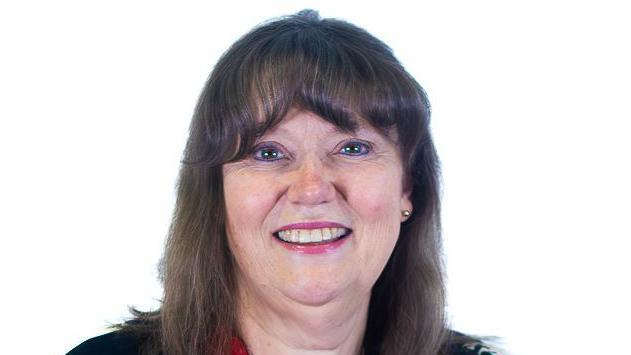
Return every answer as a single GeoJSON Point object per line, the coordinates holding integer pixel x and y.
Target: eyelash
{"type": "Point", "coordinates": [367, 148]}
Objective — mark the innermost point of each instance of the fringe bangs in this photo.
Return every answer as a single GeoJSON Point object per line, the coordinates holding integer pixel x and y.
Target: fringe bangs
{"type": "Point", "coordinates": [336, 79]}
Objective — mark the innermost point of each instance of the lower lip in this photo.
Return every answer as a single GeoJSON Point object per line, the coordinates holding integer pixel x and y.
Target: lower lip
{"type": "Point", "coordinates": [320, 248]}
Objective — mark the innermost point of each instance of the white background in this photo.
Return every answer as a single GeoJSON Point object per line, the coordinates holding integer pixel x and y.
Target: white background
{"type": "Point", "coordinates": [531, 119]}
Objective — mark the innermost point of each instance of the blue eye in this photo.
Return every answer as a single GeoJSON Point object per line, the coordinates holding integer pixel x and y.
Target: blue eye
{"type": "Point", "coordinates": [355, 148]}
{"type": "Point", "coordinates": [271, 153]}
{"type": "Point", "coordinates": [267, 153]}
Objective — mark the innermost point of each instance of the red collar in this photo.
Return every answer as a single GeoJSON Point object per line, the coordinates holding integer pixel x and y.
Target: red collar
{"type": "Point", "coordinates": [238, 347]}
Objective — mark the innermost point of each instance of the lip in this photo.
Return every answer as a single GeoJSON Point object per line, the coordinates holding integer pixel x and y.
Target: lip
{"type": "Point", "coordinates": [317, 248]}
{"type": "Point", "coordinates": [311, 225]}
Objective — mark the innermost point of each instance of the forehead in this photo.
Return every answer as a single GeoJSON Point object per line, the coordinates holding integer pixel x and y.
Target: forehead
{"type": "Point", "coordinates": [305, 122]}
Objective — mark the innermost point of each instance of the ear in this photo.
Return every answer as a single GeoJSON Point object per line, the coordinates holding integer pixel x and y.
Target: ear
{"type": "Point", "coordinates": [406, 201]}
{"type": "Point", "coordinates": [406, 198]}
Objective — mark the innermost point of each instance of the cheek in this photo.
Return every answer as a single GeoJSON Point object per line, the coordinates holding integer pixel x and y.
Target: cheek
{"type": "Point", "coordinates": [247, 203]}
{"type": "Point", "coordinates": [375, 197]}
{"type": "Point", "coordinates": [375, 201]}
{"type": "Point", "coordinates": [247, 238]}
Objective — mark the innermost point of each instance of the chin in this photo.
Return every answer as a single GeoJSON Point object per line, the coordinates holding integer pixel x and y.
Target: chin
{"type": "Point", "coordinates": [314, 293]}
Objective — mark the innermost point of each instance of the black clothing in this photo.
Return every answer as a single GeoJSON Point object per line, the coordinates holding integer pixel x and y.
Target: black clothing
{"type": "Point", "coordinates": [126, 343]}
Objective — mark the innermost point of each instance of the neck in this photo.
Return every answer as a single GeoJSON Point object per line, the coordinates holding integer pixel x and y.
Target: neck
{"type": "Point", "coordinates": [284, 326]}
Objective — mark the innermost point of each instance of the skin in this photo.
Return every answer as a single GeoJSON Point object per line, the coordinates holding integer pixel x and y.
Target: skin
{"type": "Point", "coordinates": [292, 303]}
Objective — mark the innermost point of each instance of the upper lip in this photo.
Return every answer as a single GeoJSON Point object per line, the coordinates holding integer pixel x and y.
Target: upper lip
{"type": "Point", "coordinates": [311, 225]}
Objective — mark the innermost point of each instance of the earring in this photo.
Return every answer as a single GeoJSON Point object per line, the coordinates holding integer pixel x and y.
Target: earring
{"type": "Point", "coordinates": [406, 213]}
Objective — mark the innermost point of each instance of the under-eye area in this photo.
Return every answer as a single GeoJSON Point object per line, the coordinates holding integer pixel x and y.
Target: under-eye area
{"type": "Point", "coordinates": [312, 236]}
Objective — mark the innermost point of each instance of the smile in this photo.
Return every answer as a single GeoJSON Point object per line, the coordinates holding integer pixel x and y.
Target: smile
{"type": "Point", "coordinates": [311, 236]}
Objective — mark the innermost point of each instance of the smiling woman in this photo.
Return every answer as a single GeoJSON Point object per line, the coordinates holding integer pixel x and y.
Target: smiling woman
{"type": "Point", "coordinates": [338, 212]}
{"type": "Point", "coordinates": [307, 217]}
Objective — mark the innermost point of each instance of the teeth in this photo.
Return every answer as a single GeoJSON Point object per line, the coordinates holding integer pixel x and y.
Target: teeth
{"type": "Point", "coordinates": [326, 233]}
{"type": "Point", "coordinates": [316, 235]}
{"type": "Point", "coordinates": [305, 236]}
{"type": "Point", "coordinates": [295, 236]}
{"type": "Point", "coordinates": [311, 235]}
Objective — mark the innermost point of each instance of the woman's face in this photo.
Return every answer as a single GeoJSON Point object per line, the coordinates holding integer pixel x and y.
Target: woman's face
{"type": "Point", "coordinates": [306, 171]}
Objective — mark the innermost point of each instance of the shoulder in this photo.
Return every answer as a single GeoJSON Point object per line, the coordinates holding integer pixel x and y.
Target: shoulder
{"type": "Point", "coordinates": [461, 344]}
{"type": "Point", "coordinates": [114, 343]}
{"type": "Point", "coordinates": [473, 348]}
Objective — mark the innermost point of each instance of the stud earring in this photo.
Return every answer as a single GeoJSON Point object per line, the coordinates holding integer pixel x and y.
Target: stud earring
{"type": "Point", "coordinates": [406, 213]}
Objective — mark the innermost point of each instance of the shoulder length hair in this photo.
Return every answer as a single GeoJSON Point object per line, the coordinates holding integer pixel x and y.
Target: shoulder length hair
{"type": "Point", "coordinates": [341, 73]}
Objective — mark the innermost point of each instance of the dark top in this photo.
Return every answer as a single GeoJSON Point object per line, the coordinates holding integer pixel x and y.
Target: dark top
{"type": "Point", "coordinates": [118, 343]}
{"type": "Point", "coordinates": [125, 343]}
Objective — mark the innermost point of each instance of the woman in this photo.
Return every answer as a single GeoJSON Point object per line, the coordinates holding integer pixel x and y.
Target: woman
{"type": "Point", "coordinates": [307, 216]}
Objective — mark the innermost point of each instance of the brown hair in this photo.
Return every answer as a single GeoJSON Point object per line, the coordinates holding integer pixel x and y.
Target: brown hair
{"type": "Point", "coordinates": [341, 73]}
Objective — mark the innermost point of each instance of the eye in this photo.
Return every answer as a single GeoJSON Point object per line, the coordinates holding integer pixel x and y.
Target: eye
{"type": "Point", "coordinates": [355, 148]}
{"type": "Point", "coordinates": [267, 152]}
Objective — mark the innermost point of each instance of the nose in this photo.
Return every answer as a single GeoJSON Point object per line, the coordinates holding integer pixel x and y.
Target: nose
{"type": "Point", "coordinates": [311, 184]}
